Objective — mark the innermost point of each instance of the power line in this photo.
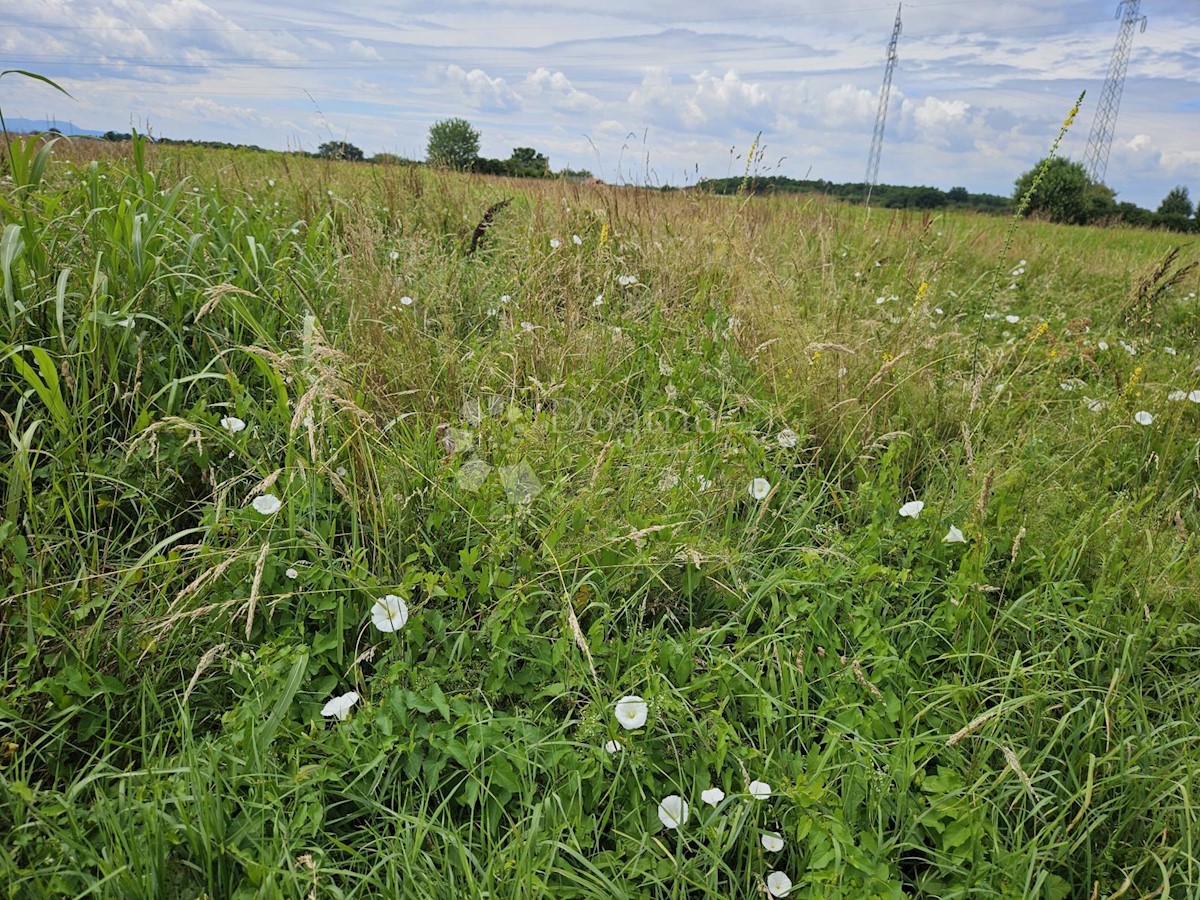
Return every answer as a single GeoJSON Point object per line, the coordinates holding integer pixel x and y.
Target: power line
{"type": "Point", "coordinates": [1095, 158]}
{"type": "Point", "coordinates": [885, 94]}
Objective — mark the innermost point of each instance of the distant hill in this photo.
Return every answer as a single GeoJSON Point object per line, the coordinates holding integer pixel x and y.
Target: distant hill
{"type": "Point", "coordinates": [25, 126]}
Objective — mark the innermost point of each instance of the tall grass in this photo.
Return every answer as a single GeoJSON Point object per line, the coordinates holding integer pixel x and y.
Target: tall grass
{"type": "Point", "coordinates": [547, 455]}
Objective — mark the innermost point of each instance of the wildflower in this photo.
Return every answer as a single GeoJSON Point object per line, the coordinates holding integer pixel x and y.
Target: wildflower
{"type": "Point", "coordinates": [394, 255]}
{"type": "Point", "coordinates": [772, 841]}
{"type": "Point", "coordinates": [389, 613]}
{"type": "Point", "coordinates": [954, 536]}
{"type": "Point", "coordinates": [270, 182]}
{"type": "Point", "coordinates": [555, 243]}
{"type": "Point", "coordinates": [1194, 396]}
{"type": "Point", "coordinates": [626, 280]}
{"type": "Point", "coordinates": [841, 373]}
{"type": "Point", "coordinates": [1102, 345]}
{"type": "Point", "coordinates": [504, 298]}
{"type": "Point", "coordinates": [339, 707]}
{"type": "Point", "coordinates": [576, 240]}
{"type": "Point", "coordinates": [613, 746]}
{"type": "Point", "coordinates": [1143, 418]}
{"type": "Point", "coordinates": [1067, 386]}
{"type": "Point", "coordinates": [340, 472]}
{"type": "Point", "coordinates": [406, 301]}
{"type": "Point", "coordinates": [1177, 395]}
{"type": "Point", "coordinates": [879, 301]}
{"type": "Point", "coordinates": [527, 327]}
{"type": "Point", "coordinates": [267, 504]}
{"type": "Point", "coordinates": [712, 796]}
{"type": "Point", "coordinates": [292, 573]}
{"type": "Point", "coordinates": [938, 310]}
{"type": "Point", "coordinates": [1012, 320]}
{"type": "Point", "coordinates": [912, 508]}
{"type": "Point", "coordinates": [673, 811]}
{"type": "Point", "coordinates": [788, 439]}
{"type": "Point", "coordinates": [233, 424]}
{"type": "Point", "coordinates": [330, 192]}
{"type": "Point", "coordinates": [759, 488]}
{"type": "Point", "coordinates": [603, 234]}
{"type": "Point", "coordinates": [778, 884]}
{"type": "Point", "coordinates": [760, 790]}
{"type": "Point", "coordinates": [1094, 405]}
{"type": "Point", "coordinates": [631, 712]}
{"type": "Point", "coordinates": [1170, 351]}
{"type": "Point", "coordinates": [599, 301]}
{"type": "Point", "coordinates": [704, 483]}
{"type": "Point", "coordinates": [1000, 387]}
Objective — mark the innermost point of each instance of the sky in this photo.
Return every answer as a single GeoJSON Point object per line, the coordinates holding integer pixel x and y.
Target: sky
{"type": "Point", "coordinates": [663, 92]}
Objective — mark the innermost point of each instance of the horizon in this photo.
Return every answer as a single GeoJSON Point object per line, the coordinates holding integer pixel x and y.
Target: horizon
{"type": "Point", "coordinates": [665, 97]}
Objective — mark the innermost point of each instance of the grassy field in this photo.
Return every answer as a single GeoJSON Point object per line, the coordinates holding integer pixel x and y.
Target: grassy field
{"type": "Point", "coordinates": [337, 521]}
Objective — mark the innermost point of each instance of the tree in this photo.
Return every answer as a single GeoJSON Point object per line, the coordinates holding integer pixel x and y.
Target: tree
{"type": "Point", "coordinates": [1064, 192]}
{"type": "Point", "coordinates": [526, 162]}
{"type": "Point", "coordinates": [1175, 212]}
{"type": "Point", "coordinates": [453, 143]}
{"type": "Point", "coordinates": [340, 150]}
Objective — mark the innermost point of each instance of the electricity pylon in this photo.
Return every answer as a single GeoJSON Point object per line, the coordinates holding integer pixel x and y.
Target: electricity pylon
{"type": "Point", "coordinates": [885, 94]}
{"type": "Point", "coordinates": [1095, 160]}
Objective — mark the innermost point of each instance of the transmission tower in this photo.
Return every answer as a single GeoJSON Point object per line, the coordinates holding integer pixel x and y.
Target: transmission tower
{"type": "Point", "coordinates": [885, 94]}
{"type": "Point", "coordinates": [1095, 160]}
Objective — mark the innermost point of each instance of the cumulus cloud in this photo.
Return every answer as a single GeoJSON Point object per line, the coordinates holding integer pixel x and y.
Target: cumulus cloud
{"type": "Point", "coordinates": [559, 90]}
{"type": "Point", "coordinates": [481, 90]}
{"type": "Point", "coordinates": [711, 104]}
{"type": "Point", "coordinates": [848, 105]}
{"type": "Point", "coordinates": [359, 50]}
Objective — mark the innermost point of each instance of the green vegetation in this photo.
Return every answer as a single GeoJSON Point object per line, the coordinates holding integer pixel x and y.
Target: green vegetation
{"type": "Point", "coordinates": [888, 196]}
{"type": "Point", "coordinates": [453, 144]}
{"type": "Point", "coordinates": [280, 430]}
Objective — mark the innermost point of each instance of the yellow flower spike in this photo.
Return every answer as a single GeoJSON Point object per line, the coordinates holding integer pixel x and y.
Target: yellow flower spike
{"type": "Point", "coordinates": [603, 234]}
{"type": "Point", "coordinates": [922, 291]}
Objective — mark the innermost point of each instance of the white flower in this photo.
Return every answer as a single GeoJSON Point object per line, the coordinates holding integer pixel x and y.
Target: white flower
{"type": "Point", "coordinates": [880, 301]}
{"type": "Point", "coordinates": [1094, 405]}
{"type": "Point", "coordinates": [1000, 387]}
{"type": "Point", "coordinates": [599, 301]}
{"type": "Point", "coordinates": [1143, 418]}
{"type": "Point", "coordinates": [704, 483]}
{"type": "Point", "coordinates": [1067, 386]}
{"type": "Point", "coordinates": [1170, 351]}
{"type": "Point", "coordinates": [406, 301]}
{"type": "Point", "coordinates": [912, 508]}
{"type": "Point", "coordinates": [576, 240]}
{"type": "Point", "coordinates": [712, 796]}
{"type": "Point", "coordinates": [626, 280]}
{"type": "Point", "coordinates": [772, 841]}
{"type": "Point", "coordinates": [842, 372]}
{"type": "Point", "coordinates": [673, 811]}
{"type": "Point", "coordinates": [330, 192]}
{"type": "Point", "coordinates": [395, 255]}
{"type": "Point", "coordinates": [788, 438]}
{"type": "Point", "coordinates": [939, 311]}
{"type": "Point", "coordinates": [1194, 396]}
{"type": "Point", "coordinates": [1102, 345]}
{"type": "Point", "coordinates": [527, 327]}
{"type": "Point", "coordinates": [389, 613]}
{"type": "Point", "coordinates": [504, 298]}
{"type": "Point", "coordinates": [954, 536]}
{"type": "Point", "coordinates": [233, 424]}
{"type": "Point", "coordinates": [1012, 320]}
{"type": "Point", "coordinates": [555, 243]}
{"type": "Point", "coordinates": [341, 472]}
{"type": "Point", "coordinates": [339, 707]}
{"type": "Point", "coordinates": [778, 884]}
{"type": "Point", "coordinates": [1177, 395]}
{"type": "Point", "coordinates": [759, 488]}
{"type": "Point", "coordinates": [631, 712]}
{"type": "Point", "coordinates": [292, 573]}
{"type": "Point", "coordinates": [760, 790]}
{"type": "Point", "coordinates": [613, 746]}
{"type": "Point", "coordinates": [270, 182]}
{"type": "Point", "coordinates": [267, 504]}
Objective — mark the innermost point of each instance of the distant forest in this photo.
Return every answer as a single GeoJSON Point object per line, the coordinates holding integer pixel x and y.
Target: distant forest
{"type": "Point", "coordinates": [890, 196]}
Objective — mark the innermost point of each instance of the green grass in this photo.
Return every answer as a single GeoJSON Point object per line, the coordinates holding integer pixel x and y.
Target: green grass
{"type": "Point", "coordinates": [559, 490]}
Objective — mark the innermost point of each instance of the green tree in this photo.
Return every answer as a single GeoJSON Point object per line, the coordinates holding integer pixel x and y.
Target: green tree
{"type": "Point", "coordinates": [1177, 203]}
{"type": "Point", "coordinates": [340, 150]}
{"type": "Point", "coordinates": [526, 162]}
{"type": "Point", "coordinates": [1064, 192]}
{"type": "Point", "coordinates": [453, 143]}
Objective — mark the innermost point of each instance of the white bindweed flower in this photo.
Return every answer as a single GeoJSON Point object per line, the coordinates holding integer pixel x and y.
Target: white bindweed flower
{"type": "Point", "coordinates": [613, 747]}
{"type": "Point", "coordinates": [1012, 320]}
{"type": "Point", "coordinates": [778, 884]}
{"type": "Point", "coordinates": [527, 327]}
{"type": "Point", "coordinates": [673, 811]}
{"type": "Point", "coordinates": [759, 488]}
{"type": "Point", "coordinates": [339, 707]}
{"type": "Point", "coordinates": [1094, 405]}
{"type": "Point", "coordinates": [555, 243]}
{"type": "Point", "coordinates": [954, 536]}
{"type": "Point", "coordinates": [788, 439]}
{"type": "Point", "coordinates": [292, 573]}
{"type": "Point", "coordinates": [1170, 351]}
{"type": "Point", "coordinates": [703, 482]}
{"type": "Point", "coordinates": [1143, 418]}
{"type": "Point", "coordinates": [1102, 345]}
{"type": "Point", "coordinates": [406, 301]}
{"type": "Point", "coordinates": [626, 280]}
{"type": "Point", "coordinates": [772, 841]}
{"type": "Point", "coordinates": [631, 712]}
{"type": "Point", "coordinates": [267, 504]}
{"type": "Point", "coordinates": [576, 240]}
{"type": "Point", "coordinates": [395, 255]}
{"type": "Point", "coordinates": [1194, 396]}
{"type": "Point", "coordinates": [1176, 396]}
{"type": "Point", "coordinates": [389, 613]}
{"type": "Point", "coordinates": [760, 790]}
{"type": "Point", "coordinates": [505, 298]}
{"type": "Point", "coordinates": [912, 508]}
{"type": "Point", "coordinates": [712, 796]}
{"type": "Point", "coordinates": [340, 472]}
{"type": "Point", "coordinates": [233, 424]}
{"type": "Point", "coordinates": [599, 301]}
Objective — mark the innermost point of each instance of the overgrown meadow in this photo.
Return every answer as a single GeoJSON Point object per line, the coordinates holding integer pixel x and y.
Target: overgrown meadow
{"type": "Point", "coordinates": [372, 531]}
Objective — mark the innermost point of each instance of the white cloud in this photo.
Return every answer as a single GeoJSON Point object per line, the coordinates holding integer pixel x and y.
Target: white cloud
{"type": "Point", "coordinates": [710, 105]}
{"type": "Point", "coordinates": [481, 90]}
{"type": "Point", "coordinates": [359, 50]}
{"type": "Point", "coordinates": [559, 90]}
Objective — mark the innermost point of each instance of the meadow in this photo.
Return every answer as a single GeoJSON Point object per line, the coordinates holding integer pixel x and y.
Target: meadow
{"type": "Point", "coordinates": [379, 531]}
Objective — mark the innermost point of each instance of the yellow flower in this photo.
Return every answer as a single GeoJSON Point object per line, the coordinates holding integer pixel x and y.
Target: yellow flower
{"type": "Point", "coordinates": [603, 234]}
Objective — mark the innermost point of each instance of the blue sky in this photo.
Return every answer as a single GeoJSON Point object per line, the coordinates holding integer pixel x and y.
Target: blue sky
{"type": "Point", "coordinates": [666, 92]}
